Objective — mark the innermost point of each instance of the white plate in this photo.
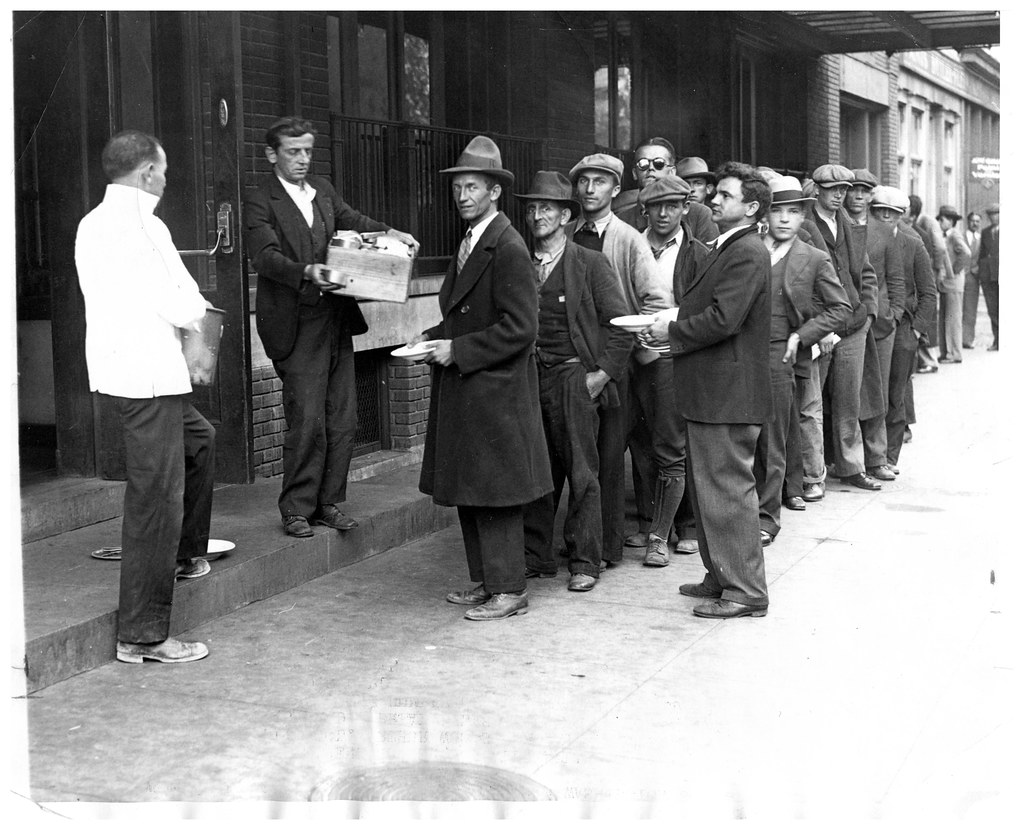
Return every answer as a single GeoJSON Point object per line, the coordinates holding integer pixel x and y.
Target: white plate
{"type": "Point", "coordinates": [633, 322]}
{"type": "Point", "coordinates": [216, 548]}
{"type": "Point", "coordinates": [417, 352]}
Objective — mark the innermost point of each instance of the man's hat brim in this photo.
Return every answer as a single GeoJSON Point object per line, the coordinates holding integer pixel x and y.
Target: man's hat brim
{"type": "Point", "coordinates": [574, 207]}
{"type": "Point", "coordinates": [505, 177]}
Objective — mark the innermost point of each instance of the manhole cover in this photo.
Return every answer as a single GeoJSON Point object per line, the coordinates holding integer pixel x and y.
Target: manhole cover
{"type": "Point", "coordinates": [438, 781]}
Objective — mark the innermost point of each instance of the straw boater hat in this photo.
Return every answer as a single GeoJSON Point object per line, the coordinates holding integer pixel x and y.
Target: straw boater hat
{"type": "Point", "coordinates": [598, 161]}
{"type": "Point", "coordinates": [482, 156]}
{"type": "Point", "coordinates": [890, 197]}
{"type": "Point", "coordinates": [832, 175]}
{"type": "Point", "coordinates": [864, 177]}
{"type": "Point", "coordinates": [665, 189]}
{"type": "Point", "coordinates": [694, 167]}
{"type": "Point", "coordinates": [786, 190]}
{"type": "Point", "coordinates": [551, 186]}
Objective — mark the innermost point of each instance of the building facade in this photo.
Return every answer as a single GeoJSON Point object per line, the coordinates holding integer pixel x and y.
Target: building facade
{"type": "Point", "coordinates": [394, 96]}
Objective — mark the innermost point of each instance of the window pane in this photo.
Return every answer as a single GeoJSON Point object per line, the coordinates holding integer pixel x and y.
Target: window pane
{"type": "Point", "coordinates": [624, 125]}
{"type": "Point", "coordinates": [416, 107]}
{"type": "Point", "coordinates": [373, 79]}
{"type": "Point", "coordinates": [601, 137]}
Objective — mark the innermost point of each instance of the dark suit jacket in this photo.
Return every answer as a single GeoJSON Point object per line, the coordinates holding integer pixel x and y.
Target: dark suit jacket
{"type": "Point", "coordinates": [817, 301]}
{"type": "Point", "coordinates": [485, 443]}
{"type": "Point", "coordinates": [919, 280]}
{"type": "Point", "coordinates": [988, 256]}
{"type": "Point", "coordinates": [280, 246]}
{"type": "Point", "coordinates": [720, 338]}
{"type": "Point", "coordinates": [698, 218]}
{"type": "Point", "coordinates": [852, 267]}
{"type": "Point", "coordinates": [593, 296]}
{"type": "Point", "coordinates": [880, 245]}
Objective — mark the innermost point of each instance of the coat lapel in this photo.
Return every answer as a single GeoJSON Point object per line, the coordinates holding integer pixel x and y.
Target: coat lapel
{"type": "Point", "coordinates": [795, 264]}
{"type": "Point", "coordinates": [293, 224]}
{"type": "Point", "coordinates": [477, 263]}
{"type": "Point", "coordinates": [572, 271]}
{"type": "Point", "coordinates": [713, 256]}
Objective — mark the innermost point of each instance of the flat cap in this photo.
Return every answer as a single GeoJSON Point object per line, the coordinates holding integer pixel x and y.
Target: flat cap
{"type": "Point", "coordinates": [864, 177]}
{"type": "Point", "coordinates": [949, 212]}
{"type": "Point", "coordinates": [890, 197]}
{"type": "Point", "coordinates": [665, 189]}
{"type": "Point", "coordinates": [832, 175]}
{"type": "Point", "coordinates": [597, 161]}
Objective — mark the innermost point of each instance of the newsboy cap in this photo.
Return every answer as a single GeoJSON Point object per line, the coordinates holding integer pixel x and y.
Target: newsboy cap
{"type": "Point", "coordinates": [949, 212]}
{"type": "Point", "coordinates": [864, 177]}
{"type": "Point", "coordinates": [665, 189]}
{"type": "Point", "coordinates": [884, 196]}
{"type": "Point", "coordinates": [598, 161]}
{"type": "Point", "coordinates": [552, 186]}
{"type": "Point", "coordinates": [832, 175]}
{"type": "Point", "coordinates": [482, 156]}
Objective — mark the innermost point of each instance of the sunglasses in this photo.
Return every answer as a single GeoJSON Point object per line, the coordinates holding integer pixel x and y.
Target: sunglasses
{"type": "Point", "coordinates": [657, 164]}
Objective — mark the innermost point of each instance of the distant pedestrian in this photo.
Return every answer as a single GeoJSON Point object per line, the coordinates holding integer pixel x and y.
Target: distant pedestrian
{"type": "Point", "coordinates": [972, 288]}
{"type": "Point", "coordinates": [988, 271]}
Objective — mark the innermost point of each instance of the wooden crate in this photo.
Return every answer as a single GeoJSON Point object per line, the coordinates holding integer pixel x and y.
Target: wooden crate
{"type": "Point", "coordinates": [369, 275]}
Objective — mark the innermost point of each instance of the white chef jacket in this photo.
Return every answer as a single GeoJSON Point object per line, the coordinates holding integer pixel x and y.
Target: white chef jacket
{"type": "Point", "coordinates": [137, 294]}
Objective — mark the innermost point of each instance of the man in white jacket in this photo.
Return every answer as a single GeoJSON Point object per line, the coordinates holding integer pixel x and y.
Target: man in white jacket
{"type": "Point", "coordinates": [137, 295]}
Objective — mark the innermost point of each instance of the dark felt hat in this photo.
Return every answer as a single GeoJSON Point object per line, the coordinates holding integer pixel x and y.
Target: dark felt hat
{"type": "Point", "coordinates": [482, 156]}
{"type": "Point", "coordinates": [552, 186]}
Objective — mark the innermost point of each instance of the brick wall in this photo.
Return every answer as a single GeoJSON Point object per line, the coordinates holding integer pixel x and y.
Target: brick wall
{"type": "Point", "coordinates": [268, 421]}
{"type": "Point", "coordinates": [409, 402]}
{"type": "Point", "coordinates": [890, 173]}
{"type": "Point", "coordinates": [823, 112]}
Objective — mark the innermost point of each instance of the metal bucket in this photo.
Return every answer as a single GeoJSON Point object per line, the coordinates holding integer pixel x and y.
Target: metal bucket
{"type": "Point", "coordinates": [202, 347]}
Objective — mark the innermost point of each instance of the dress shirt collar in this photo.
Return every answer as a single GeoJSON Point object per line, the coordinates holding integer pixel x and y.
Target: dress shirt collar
{"type": "Point", "coordinates": [476, 231]}
{"type": "Point", "coordinates": [676, 239]}
{"type": "Point", "coordinates": [549, 257]}
{"type": "Point", "coordinates": [305, 191]}
{"type": "Point", "coordinates": [600, 224]}
{"type": "Point", "coordinates": [720, 240]}
{"type": "Point", "coordinates": [780, 249]}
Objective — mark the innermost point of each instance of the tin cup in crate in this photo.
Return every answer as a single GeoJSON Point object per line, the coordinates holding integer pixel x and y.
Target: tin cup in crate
{"type": "Point", "coordinates": [370, 272]}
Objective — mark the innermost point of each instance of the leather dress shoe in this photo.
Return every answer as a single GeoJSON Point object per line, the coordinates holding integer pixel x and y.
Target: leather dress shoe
{"type": "Point", "coordinates": [794, 503]}
{"type": "Point", "coordinates": [862, 481]}
{"type": "Point", "coordinates": [814, 492]}
{"type": "Point", "coordinates": [766, 538]}
{"type": "Point", "coordinates": [533, 573]}
{"type": "Point", "coordinates": [474, 596]}
{"type": "Point", "coordinates": [698, 591]}
{"type": "Point", "coordinates": [882, 473]}
{"type": "Point", "coordinates": [581, 582]}
{"type": "Point", "coordinates": [927, 370]}
{"type": "Point", "coordinates": [687, 546]}
{"type": "Point", "coordinates": [636, 540]}
{"type": "Point", "coordinates": [993, 348]}
{"type": "Point", "coordinates": [894, 468]}
{"type": "Point", "coordinates": [196, 568]}
{"type": "Point", "coordinates": [968, 345]}
{"type": "Point", "coordinates": [499, 606]}
{"type": "Point", "coordinates": [169, 651]}
{"type": "Point", "coordinates": [723, 609]}
{"type": "Point", "coordinates": [296, 526]}
{"type": "Point", "coordinates": [657, 552]}
{"type": "Point", "coordinates": [908, 436]}
{"type": "Point", "coordinates": [331, 516]}
{"type": "Point", "coordinates": [949, 360]}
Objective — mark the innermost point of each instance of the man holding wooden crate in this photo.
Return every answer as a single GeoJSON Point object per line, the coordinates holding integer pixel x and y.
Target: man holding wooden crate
{"type": "Point", "coordinates": [307, 328]}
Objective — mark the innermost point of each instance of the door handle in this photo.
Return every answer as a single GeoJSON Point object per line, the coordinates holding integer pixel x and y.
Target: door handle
{"type": "Point", "coordinates": [223, 243]}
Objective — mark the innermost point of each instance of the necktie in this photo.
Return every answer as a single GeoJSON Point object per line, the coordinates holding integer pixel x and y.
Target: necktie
{"type": "Point", "coordinates": [463, 251]}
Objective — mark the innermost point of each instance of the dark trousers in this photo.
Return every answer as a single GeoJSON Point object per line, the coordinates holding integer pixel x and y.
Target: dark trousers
{"type": "Point", "coordinates": [493, 537]}
{"type": "Point", "coordinates": [904, 361]}
{"type": "Point", "coordinates": [167, 501]}
{"type": "Point", "coordinates": [770, 453]}
{"type": "Point", "coordinates": [874, 429]}
{"type": "Point", "coordinates": [570, 427]}
{"type": "Point", "coordinates": [612, 430]}
{"type": "Point", "coordinates": [720, 475]}
{"type": "Point", "coordinates": [793, 481]}
{"type": "Point", "coordinates": [991, 291]}
{"type": "Point", "coordinates": [319, 393]}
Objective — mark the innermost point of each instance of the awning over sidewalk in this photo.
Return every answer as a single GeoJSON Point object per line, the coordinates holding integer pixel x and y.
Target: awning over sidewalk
{"type": "Point", "coordinates": [830, 32]}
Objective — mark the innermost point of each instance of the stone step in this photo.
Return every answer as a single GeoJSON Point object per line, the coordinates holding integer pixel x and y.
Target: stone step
{"type": "Point", "coordinates": [71, 598]}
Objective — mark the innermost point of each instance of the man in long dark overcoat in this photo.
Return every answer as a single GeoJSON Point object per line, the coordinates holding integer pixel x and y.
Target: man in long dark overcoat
{"type": "Point", "coordinates": [485, 451]}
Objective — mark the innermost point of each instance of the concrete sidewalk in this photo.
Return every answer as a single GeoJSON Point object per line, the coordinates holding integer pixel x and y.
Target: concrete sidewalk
{"type": "Point", "coordinates": [881, 684]}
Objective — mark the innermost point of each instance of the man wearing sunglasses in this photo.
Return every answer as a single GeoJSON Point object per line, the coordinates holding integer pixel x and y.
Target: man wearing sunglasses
{"type": "Point", "coordinates": [655, 159]}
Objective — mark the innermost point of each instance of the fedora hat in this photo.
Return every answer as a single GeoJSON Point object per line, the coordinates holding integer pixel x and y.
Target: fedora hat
{"type": "Point", "coordinates": [786, 190]}
{"type": "Point", "coordinates": [992, 209]}
{"type": "Point", "coordinates": [551, 186]}
{"type": "Point", "coordinates": [832, 175]}
{"type": "Point", "coordinates": [694, 167]}
{"type": "Point", "coordinates": [482, 156]}
{"type": "Point", "coordinates": [598, 161]}
{"type": "Point", "coordinates": [669, 188]}
{"type": "Point", "coordinates": [864, 177]}
{"type": "Point", "coordinates": [885, 196]}
{"type": "Point", "coordinates": [949, 212]}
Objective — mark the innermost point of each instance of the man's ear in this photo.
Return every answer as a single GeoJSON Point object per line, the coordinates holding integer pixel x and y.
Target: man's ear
{"type": "Point", "coordinates": [271, 154]}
